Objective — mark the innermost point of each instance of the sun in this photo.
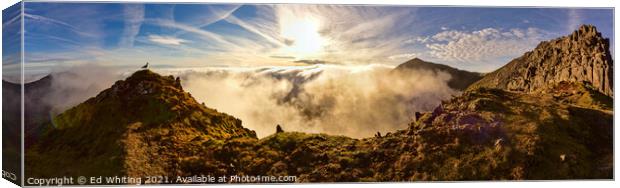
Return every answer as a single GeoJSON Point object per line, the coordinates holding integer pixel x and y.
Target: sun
{"type": "Point", "coordinates": [302, 36]}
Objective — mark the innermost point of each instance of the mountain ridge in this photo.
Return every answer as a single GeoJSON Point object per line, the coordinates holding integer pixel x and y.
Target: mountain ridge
{"type": "Point", "coordinates": [582, 56]}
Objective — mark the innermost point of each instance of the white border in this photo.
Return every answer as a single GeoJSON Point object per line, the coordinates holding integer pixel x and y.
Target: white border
{"type": "Point", "coordinates": [519, 3]}
{"type": "Point", "coordinates": [537, 3]}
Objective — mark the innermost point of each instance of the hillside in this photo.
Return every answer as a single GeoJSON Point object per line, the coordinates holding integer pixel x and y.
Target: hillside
{"type": "Point", "coordinates": [459, 79]}
{"type": "Point", "coordinates": [582, 56]}
{"type": "Point", "coordinates": [485, 134]}
{"type": "Point", "coordinates": [144, 125]}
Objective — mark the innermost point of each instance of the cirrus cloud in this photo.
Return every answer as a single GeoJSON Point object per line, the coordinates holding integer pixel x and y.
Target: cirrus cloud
{"type": "Point", "coordinates": [167, 40]}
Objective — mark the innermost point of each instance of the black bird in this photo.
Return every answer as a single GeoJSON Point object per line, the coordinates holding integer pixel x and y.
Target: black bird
{"type": "Point", "coordinates": [146, 66]}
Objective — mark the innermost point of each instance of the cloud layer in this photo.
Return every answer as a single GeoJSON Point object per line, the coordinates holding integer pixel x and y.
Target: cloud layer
{"type": "Point", "coordinates": [354, 101]}
{"type": "Point", "coordinates": [74, 85]}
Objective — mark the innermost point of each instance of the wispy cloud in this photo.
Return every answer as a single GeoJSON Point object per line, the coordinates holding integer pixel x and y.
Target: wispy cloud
{"type": "Point", "coordinates": [218, 13]}
{"type": "Point", "coordinates": [282, 57]}
{"type": "Point", "coordinates": [167, 40]}
{"type": "Point", "coordinates": [259, 29]}
{"type": "Point", "coordinates": [49, 60]}
{"type": "Point", "coordinates": [12, 21]}
{"type": "Point", "coordinates": [46, 20]}
{"type": "Point", "coordinates": [11, 59]}
{"type": "Point", "coordinates": [209, 36]}
{"type": "Point", "coordinates": [134, 15]}
{"type": "Point", "coordinates": [574, 19]}
{"type": "Point", "coordinates": [209, 14]}
{"type": "Point", "coordinates": [314, 62]}
{"type": "Point", "coordinates": [405, 56]}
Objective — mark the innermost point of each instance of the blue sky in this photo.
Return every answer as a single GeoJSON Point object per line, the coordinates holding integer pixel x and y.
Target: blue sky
{"type": "Point", "coordinates": [11, 35]}
{"type": "Point", "coordinates": [193, 35]}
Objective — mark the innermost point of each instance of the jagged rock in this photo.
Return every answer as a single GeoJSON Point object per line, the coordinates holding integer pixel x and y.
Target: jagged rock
{"type": "Point", "coordinates": [417, 116]}
{"type": "Point", "coordinates": [583, 56]}
{"type": "Point", "coordinates": [177, 83]}
{"type": "Point", "coordinates": [499, 143]}
{"type": "Point", "coordinates": [515, 129]}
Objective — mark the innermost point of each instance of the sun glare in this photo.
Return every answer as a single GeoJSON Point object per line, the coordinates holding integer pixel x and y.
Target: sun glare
{"type": "Point", "coordinates": [303, 36]}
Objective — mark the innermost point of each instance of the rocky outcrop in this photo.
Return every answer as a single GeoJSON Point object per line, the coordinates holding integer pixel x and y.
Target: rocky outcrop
{"type": "Point", "coordinates": [582, 56]}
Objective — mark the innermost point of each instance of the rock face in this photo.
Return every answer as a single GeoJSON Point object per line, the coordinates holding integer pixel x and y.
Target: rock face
{"type": "Point", "coordinates": [582, 56]}
{"type": "Point", "coordinates": [459, 80]}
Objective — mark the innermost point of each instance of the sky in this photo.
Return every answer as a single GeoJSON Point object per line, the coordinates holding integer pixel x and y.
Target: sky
{"type": "Point", "coordinates": [127, 35]}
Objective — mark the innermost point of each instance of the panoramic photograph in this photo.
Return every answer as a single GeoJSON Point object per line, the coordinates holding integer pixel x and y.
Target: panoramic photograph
{"type": "Point", "coordinates": [208, 93]}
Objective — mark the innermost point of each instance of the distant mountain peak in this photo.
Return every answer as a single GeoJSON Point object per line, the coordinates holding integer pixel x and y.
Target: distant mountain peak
{"type": "Point", "coordinates": [459, 80]}
{"type": "Point", "coordinates": [415, 59]}
{"type": "Point", "coordinates": [582, 56]}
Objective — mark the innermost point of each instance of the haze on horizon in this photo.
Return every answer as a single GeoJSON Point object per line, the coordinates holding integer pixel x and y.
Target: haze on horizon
{"type": "Point", "coordinates": [246, 35]}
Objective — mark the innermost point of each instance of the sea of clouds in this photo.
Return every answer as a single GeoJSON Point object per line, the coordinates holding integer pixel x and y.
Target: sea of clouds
{"type": "Point", "coordinates": [356, 101]}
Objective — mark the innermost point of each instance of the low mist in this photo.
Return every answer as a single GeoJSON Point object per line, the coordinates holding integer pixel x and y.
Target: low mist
{"type": "Point", "coordinates": [355, 101]}
{"type": "Point", "coordinates": [75, 85]}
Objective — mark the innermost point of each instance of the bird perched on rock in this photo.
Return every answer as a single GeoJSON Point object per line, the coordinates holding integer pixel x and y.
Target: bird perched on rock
{"type": "Point", "coordinates": [279, 129]}
{"type": "Point", "coordinates": [146, 66]}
